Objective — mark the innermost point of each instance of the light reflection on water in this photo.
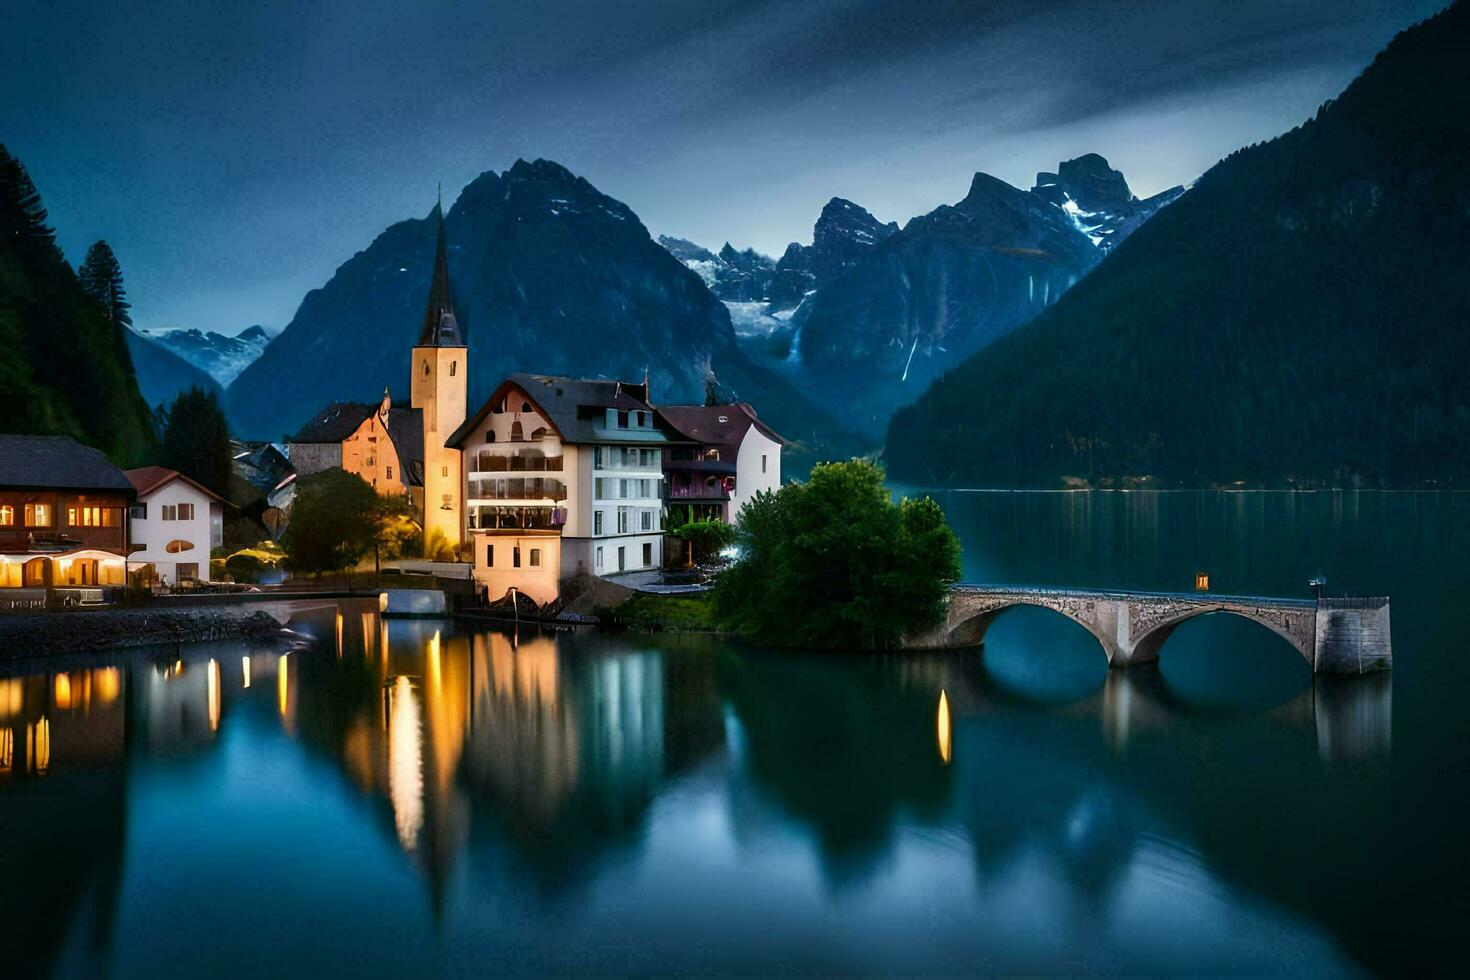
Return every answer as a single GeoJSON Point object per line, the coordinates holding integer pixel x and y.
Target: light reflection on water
{"type": "Point", "coordinates": [396, 796]}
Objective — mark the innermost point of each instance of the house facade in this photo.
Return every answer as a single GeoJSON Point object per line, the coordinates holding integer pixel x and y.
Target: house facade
{"type": "Point", "coordinates": [728, 456]}
{"type": "Point", "coordinates": [381, 443]}
{"type": "Point", "coordinates": [63, 517]}
{"type": "Point", "coordinates": [562, 476]}
{"type": "Point", "coordinates": [173, 525]}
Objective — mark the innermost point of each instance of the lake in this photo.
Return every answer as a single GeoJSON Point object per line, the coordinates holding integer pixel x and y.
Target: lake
{"type": "Point", "coordinates": [403, 797]}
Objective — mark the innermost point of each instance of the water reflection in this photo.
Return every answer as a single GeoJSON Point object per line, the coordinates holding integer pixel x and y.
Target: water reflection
{"type": "Point", "coordinates": [496, 768]}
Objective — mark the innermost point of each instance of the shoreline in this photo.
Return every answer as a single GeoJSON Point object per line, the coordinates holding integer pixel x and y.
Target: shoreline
{"type": "Point", "coordinates": [29, 636]}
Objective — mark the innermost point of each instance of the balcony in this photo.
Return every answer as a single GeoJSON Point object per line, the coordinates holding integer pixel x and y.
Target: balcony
{"type": "Point", "coordinates": [517, 488]}
{"type": "Point", "coordinates": [697, 492]}
{"type": "Point", "coordinates": [487, 462]}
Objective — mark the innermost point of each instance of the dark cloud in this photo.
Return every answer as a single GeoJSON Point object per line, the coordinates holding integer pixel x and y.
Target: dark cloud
{"type": "Point", "coordinates": [235, 154]}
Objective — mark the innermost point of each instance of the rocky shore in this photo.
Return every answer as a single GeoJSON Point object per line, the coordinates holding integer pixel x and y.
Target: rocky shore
{"type": "Point", "coordinates": [47, 634]}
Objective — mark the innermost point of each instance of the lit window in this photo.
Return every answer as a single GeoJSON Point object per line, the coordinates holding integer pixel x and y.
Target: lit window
{"type": "Point", "coordinates": [535, 557]}
{"type": "Point", "coordinates": [38, 515]}
{"type": "Point", "coordinates": [7, 515]}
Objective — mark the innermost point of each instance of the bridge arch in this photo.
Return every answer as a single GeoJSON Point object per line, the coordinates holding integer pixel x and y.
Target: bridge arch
{"type": "Point", "coordinates": [1146, 645]}
{"type": "Point", "coordinates": [969, 628]}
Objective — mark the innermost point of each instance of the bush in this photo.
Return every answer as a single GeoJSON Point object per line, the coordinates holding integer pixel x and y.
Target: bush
{"type": "Point", "coordinates": [833, 563]}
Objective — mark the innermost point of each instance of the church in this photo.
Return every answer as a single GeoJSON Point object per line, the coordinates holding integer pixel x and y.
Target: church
{"type": "Point", "coordinates": [400, 449]}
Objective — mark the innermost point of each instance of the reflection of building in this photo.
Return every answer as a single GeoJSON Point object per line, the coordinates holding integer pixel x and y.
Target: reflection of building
{"type": "Point", "coordinates": [63, 516]}
{"type": "Point", "coordinates": [175, 523]}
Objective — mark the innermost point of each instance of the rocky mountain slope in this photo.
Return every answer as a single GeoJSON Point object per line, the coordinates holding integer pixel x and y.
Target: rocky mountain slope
{"type": "Point", "coordinates": [1297, 318]}
{"type": "Point", "coordinates": [219, 356]}
{"type": "Point", "coordinates": [1097, 199]}
{"type": "Point", "coordinates": [549, 275]}
{"type": "Point", "coordinates": [162, 374]}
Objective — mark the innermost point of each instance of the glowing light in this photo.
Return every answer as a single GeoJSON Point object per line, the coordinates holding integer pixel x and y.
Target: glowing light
{"type": "Point", "coordinates": [107, 684]}
{"type": "Point", "coordinates": [405, 765]}
{"type": "Point", "coordinates": [38, 745]}
{"type": "Point", "coordinates": [946, 746]}
{"type": "Point", "coordinates": [63, 691]}
{"type": "Point", "coordinates": [281, 684]}
{"type": "Point", "coordinates": [213, 686]}
{"type": "Point", "coordinates": [245, 670]}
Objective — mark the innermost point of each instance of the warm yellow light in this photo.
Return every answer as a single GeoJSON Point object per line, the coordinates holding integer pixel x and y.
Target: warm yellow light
{"type": "Point", "coordinates": [405, 762]}
{"type": "Point", "coordinates": [281, 684]}
{"type": "Point", "coordinates": [38, 745]}
{"type": "Point", "coordinates": [63, 691]}
{"type": "Point", "coordinates": [1201, 581]}
{"type": "Point", "coordinates": [945, 744]}
{"type": "Point", "coordinates": [245, 670]}
{"type": "Point", "coordinates": [213, 686]}
{"type": "Point", "coordinates": [107, 682]}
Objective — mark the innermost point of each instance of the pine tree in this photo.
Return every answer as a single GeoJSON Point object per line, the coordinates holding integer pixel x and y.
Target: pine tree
{"type": "Point", "coordinates": [26, 215]}
{"type": "Point", "coordinates": [196, 440]}
{"type": "Point", "coordinates": [101, 277]}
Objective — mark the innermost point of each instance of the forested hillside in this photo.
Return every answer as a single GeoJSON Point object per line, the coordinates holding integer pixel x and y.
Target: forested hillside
{"type": "Point", "coordinates": [1298, 318]}
{"type": "Point", "coordinates": [64, 361]}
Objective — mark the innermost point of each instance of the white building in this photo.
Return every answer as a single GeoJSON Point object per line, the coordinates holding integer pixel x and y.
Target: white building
{"type": "Point", "coordinates": [729, 457]}
{"type": "Point", "coordinates": [174, 524]}
{"type": "Point", "coordinates": [562, 476]}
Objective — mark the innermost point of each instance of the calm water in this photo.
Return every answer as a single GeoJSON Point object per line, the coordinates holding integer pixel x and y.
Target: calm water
{"type": "Point", "coordinates": [402, 798]}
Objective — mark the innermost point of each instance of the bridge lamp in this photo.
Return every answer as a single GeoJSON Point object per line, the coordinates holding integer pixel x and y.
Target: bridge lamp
{"type": "Point", "coordinates": [1319, 585]}
{"type": "Point", "coordinates": [1201, 581]}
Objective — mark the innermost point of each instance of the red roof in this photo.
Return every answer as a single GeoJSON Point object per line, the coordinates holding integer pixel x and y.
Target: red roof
{"type": "Point", "coordinates": [147, 479]}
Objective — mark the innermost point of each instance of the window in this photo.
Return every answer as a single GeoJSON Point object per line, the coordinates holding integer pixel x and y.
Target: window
{"type": "Point", "coordinates": [7, 516]}
{"type": "Point", "coordinates": [763, 462]}
{"type": "Point", "coordinates": [489, 556]}
{"type": "Point", "coordinates": [426, 369]}
{"type": "Point", "coordinates": [489, 435]}
{"type": "Point", "coordinates": [622, 559]}
{"type": "Point", "coordinates": [177, 545]}
{"type": "Point", "coordinates": [517, 434]}
{"type": "Point", "coordinates": [38, 515]}
{"type": "Point", "coordinates": [598, 560]}
{"type": "Point", "coordinates": [622, 420]}
{"type": "Point", "coordinates": [452, 366]}
{"type": "Point", "coordinates": [515, 557]}
{"type": "Point", "coordinates": [713, 455]}
{"type": "Point", "coordinates": [597, 522]}
{"type": "Point", "coordinates": [622, 520]}
{"type": "Point", "coordinates": [443, 471]}
{"type": "Point", "coordinates": [186, 512]}
{"type": "Point", "coordinates": [647, 520]}
{"type": "Point", "coordinates": [187, 571]}
{"type": "Point", "coordinates": [390, 472]}
{"type": "Point", "coordinates": [535, 557]}
{"type": "Point", "coordinates": [168, 512]}
{"type": "Point", "coordinates": [139, 511]}
{"type": "Point", "coordinates": [647, 554]}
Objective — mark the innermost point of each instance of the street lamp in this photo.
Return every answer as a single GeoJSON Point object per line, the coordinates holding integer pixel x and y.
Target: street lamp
{"type": "Point", "coordinates": [1318, 584]}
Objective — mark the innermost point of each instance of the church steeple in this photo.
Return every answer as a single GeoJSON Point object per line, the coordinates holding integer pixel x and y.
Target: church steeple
{"type": "Point", "coordinates": [441, 327]}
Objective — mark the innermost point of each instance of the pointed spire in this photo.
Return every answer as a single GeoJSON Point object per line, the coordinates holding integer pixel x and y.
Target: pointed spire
{"type": "Point", "coordinates": [441, 327]}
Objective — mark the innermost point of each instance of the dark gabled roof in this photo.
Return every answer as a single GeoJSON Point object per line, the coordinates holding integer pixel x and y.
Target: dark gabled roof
{"type": "Point", "coordinates": [406, 429]}
{"type": "Point", "coordinates": [441, 326]}
{"type": "Point", "coordinates": [57, 462]}
{"type": "Point", "coordinates": [564, 402]}
{"type": "Point", "coordinates": [335, 422]}
{"type": "Point", "coordinates": [717, 425]}
{"type": "Point", "coordinates": [147, 479]}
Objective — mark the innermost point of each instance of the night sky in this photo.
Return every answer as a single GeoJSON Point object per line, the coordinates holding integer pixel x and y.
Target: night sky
{"type": "Point", "coordinates": [235, 155]}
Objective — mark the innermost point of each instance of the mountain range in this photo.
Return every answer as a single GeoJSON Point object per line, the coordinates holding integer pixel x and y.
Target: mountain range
{"type": "Point", "coordinates": [1297, 318]}
{"type": "Point", "coordinates": [868, 314]}
{"type": "Point", "coordinates": [217, 355]}
{"type": "Point", "coordinates": [163, 375]}
{"type": "Point", "coordinates": [549, 275]}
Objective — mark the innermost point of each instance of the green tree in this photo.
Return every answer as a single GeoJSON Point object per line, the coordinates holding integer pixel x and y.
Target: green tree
{"type": "Point", "coordinates": [101, 278]}
{"type": "Point", "coordinates": [334, 523]}
{"type": "Point", "coordinates": [833, 563]}
{"type": "Point", "coordinates": [196, 439]}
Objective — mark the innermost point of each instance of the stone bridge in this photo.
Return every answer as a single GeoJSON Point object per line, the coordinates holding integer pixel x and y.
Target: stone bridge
{"type": "Point", "coordinates": [1334, 635]}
